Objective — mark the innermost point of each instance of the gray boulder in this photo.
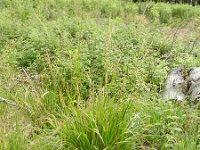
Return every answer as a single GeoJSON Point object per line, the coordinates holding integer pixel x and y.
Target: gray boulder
{"type": "Point", "coordinates": [194, 84]}
{"type": "Point", "coordinates": [175, 85]}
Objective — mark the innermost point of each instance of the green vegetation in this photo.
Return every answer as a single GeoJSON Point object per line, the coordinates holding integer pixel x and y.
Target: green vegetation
{"type": "Point", "coordinates": [87, 74]}
{"type": "Point", "coordinates": [190, 2]}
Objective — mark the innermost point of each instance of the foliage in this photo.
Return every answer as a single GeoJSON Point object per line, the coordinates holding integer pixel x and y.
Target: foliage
{"type": "Point", "coordinates": [88, 74]}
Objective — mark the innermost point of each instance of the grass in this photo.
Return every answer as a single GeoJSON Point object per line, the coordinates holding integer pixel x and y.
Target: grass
{"type": "Point", "coordinates": [88, 76]}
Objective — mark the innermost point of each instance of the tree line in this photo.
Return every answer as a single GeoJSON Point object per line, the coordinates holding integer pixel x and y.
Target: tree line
{"type": "Point", "coordinates": [190, 2]}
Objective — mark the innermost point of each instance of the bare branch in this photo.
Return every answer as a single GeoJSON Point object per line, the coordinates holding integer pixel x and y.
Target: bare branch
{"type": "Point", "coordinates": [7, 101]}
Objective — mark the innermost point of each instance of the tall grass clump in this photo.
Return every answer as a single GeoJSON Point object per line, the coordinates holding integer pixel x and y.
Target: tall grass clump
{"type": "Point", "coordinates": [165, 15]}
{"type": "Point", "coordinates": [179, 12]}
{"type": "Point", "coordinates": [165, 12]}
{"type": "Point", "coordinates": [104, 124]}
{"type": "Point", "coordinates": [145, 8]}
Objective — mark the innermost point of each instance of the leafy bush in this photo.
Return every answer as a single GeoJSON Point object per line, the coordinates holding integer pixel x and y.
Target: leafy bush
{"type": "Point", "coordinates": [27, 59]}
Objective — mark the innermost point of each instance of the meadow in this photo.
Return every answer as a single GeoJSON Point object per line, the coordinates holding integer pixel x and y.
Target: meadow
{"type": "Point", "coordinates": [88, 75]}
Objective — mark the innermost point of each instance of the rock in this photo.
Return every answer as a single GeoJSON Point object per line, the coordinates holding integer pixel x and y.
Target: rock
{"type": "Point", "coordinates": [195, 54]}
{"type": "Point", "coordinates": [194, 84]}
{"type": "Point", "coordinates": [194, 75]}
{"type": "Point", "coordinates": [175, 85]}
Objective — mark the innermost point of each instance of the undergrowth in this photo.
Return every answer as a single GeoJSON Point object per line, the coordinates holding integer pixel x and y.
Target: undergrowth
{"type": "Point", "coordinates": [89, 75]}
